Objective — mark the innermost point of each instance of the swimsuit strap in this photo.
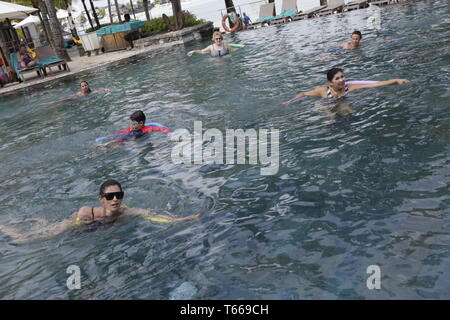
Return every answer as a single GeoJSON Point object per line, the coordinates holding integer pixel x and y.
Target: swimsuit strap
{"type": "Point", "coordinates": [92, 213]}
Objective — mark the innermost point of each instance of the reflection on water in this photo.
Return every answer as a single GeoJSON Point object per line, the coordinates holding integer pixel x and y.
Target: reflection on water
{"type": "Point", "coordinates": [365, 188]}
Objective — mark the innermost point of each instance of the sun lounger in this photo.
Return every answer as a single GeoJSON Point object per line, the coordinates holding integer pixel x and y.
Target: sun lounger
{"type": "Point", "coordinates": [379, 2]}
{"type": "Point", "coordinates": [355, 5]}
{"type": "Point", "coordinates": [288, 12]}
{"type": "Point", "coordinates": [266, 14]}
{"type": "Point", "coordinates": [309, 13]}
{"type": "Point", "coordinates": [333, 6]}
{"type": "Point", "coordinates": [48, 58]}
{"type": "Point", "coordinates": [20, 71]}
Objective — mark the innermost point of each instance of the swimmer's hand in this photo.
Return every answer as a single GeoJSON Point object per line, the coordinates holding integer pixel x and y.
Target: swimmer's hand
{"type": "Point", "coordinates": [402, 81]}
{"type": "Point", "coordinates": [190, 53]}
{"type": "Point", "coordinates": [170, 219]}
{"type": "Point", "coordinates": [287, 102]}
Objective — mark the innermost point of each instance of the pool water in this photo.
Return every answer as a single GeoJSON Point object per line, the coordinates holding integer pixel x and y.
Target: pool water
{"type": "Point", "coordinates": [370, 188]}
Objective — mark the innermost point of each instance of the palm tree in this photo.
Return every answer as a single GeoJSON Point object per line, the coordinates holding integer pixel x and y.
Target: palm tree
{"type": "Point", "coordinates": [55, 26]}
{"type": "Point", "coordinates": [147, 13]}
{"type": "Point", "coordinates": [109, 10]}
{"type": "Point", "coordinates": [94, 13]}
{"type": "Point", "coordinates": [118, 10]}
{"type": "Point", "coordinates": [177, 14]}
{"type": "Point", "coordinates": [87, 14]}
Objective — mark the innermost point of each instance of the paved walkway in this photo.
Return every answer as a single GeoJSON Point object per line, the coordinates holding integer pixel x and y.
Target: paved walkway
{"type": "Point", "coordinates": [82, 64]}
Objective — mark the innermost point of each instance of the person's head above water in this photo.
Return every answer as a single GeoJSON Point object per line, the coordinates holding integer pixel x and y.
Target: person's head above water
{"type": "Point", "coordinates": [217, 37]}
{"type": "Point", "coordinates": [356, 38]}
{"type": "Point", "coordinates": [85, 89]}
{"type": "Point", "coordinates": [111, 195]}
{"type": "Point", "coordinates": [138, 120]}
{"type": "Point", "coordinates": [336, 78]}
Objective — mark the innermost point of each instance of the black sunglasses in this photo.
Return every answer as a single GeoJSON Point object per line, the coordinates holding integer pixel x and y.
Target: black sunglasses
{"type": "Point", "coordinates": [110, 195]}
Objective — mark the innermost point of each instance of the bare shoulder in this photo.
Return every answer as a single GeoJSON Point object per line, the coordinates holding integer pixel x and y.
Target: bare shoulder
{"type": "Point", "coordinates": [84, 212]}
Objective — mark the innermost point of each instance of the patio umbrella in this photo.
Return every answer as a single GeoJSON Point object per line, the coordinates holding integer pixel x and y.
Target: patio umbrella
{"type": "Point", "coordinates": [27, 21]}
{"type": "Point", "coordinates": [14, 11]}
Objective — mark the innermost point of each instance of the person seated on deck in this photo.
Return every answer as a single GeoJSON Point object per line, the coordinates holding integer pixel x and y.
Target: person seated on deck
{"type": "Point", "coordinates": [26, 57]}
{"type": "Point", "coordinates": [131, 35]}
{"type": "Point", "coordinates": [111, 210]}
{"type": "Point", "coordinates": [356, 39]}
{"type": "Point", "coordinates": [217, 49]}
{"type": "Point", "coordinates": [337, 88]}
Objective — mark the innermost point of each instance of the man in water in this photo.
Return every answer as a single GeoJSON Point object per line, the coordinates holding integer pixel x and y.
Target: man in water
{"type": "Point", "coordinates": [356, 38]}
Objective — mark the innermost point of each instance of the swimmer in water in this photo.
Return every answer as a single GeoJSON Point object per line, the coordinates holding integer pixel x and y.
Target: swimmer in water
{"type": "Point", "coordinates": [217, 49]}
{"type": "Point", "coordinates": [110, 196]}
{"type": "Point", "coordinates": [85, 90]}
{"type": "Point", "coordinates": [356, 39]}
{"type": "Point", "coordinates": [337, 88]}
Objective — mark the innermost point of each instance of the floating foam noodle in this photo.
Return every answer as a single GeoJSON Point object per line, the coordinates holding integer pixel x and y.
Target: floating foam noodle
{"type": "Point", "coordinates": [347, 82]}
{"type": "Point", "coordinates": [126, 136]}
{"type": "Point", "coordinates": [236, 45]}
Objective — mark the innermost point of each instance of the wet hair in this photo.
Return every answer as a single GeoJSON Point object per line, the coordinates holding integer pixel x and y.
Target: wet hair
{"type": "Point", "coordinates": [331, 73]}
{"type": "Point", "coordinates": [215, 34]}
{"type": "Point", "coordinates": [126, 16]}
{"type": "Point", "coordinates": [108, 183]}
{"type": "Point", "coordinates": [138, 116]}
{"type": "Point", "coordinates": [87, 84]}
{"type": "Point", "coordinates": [358, 33]}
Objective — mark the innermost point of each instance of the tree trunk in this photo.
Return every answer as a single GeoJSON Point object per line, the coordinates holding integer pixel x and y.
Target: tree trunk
{"type": "Point", "coordinates": [147, 13]}
{"type": "Point", "coordinates": [46, 24]}
{"type": "Point", "coordinates": [132, 9]}
{"type": "Point", "coordinates": [109, 10]}
{"type": "Point", "coordinates": [118, 10]}
{"type": "Point", "coordinates": [87, 14]}
{"type": "Point", "coordinates": [230, 8]}
{"type": "Point", "coordinates": [73, 30]}
{"type": "Point", "coordinates": [94, 13]}
{"type": "Point", "coordinates": [177, 14]}
{"type": "Point", "coordinates": [55, 26]}
{"type": "Point", "coordinates": [270, 1]}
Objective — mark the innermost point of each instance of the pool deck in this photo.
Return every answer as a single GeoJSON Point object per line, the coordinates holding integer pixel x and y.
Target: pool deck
{"type": "Point", "coordinates": [83, 64]}
{"type": "Point", "coordinates": [80, 65]}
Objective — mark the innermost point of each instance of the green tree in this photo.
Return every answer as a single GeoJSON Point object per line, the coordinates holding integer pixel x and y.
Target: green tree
{"type": "Point", "coordinates": [147, 12]}
{"type": "Point", "coordinates": [56, 29]}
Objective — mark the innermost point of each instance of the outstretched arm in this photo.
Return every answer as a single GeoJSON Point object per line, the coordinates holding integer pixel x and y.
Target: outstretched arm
{"type": "Point", "coordinates": [203, 51]}
{"type": "Point", "coordinates": [44, 231]}
{"type": "Point", "coordinates": [147, 214]}
{"type": "Point", "coordinates": [354, 87]}
{"type": "Point", "coordinates": [313, 93]}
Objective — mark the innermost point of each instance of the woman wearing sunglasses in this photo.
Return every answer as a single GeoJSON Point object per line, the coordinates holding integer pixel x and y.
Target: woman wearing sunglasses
{"type": "Point", "coordinates": [111, 210]}
{"type": "Point", "coordinates": [217, 49]}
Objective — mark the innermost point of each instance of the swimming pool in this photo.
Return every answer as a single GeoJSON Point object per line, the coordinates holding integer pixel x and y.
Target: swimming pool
{"type": "Point", "coordinates": [367, 189]}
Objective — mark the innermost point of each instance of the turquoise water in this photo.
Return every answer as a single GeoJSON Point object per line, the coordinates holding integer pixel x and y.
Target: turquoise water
{"type": "Point", "coordinates": [367, 189]}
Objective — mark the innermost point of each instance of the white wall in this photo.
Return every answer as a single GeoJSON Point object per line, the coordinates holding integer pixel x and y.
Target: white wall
{"type": "Point", "coordinates": [305, 5]}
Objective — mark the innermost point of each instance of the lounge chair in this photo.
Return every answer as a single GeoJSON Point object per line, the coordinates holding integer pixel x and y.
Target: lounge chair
{"type": "Point", "coordinates": [309, 13]}
{"type": "Point", "coordinates": [20, 71]}
{"type": "Point", "coordinates": [379, 2]}
{"type": "Point", "coordinates": [333, 7]}
{"type": "Point", "coordinates": [266, 14]}
{"type": "Point", "coordinates": [288, 12]}
{"type": "Point", "coordinates": [356, 4]}
{"type": "Point", "coordinates": [48, 58]}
